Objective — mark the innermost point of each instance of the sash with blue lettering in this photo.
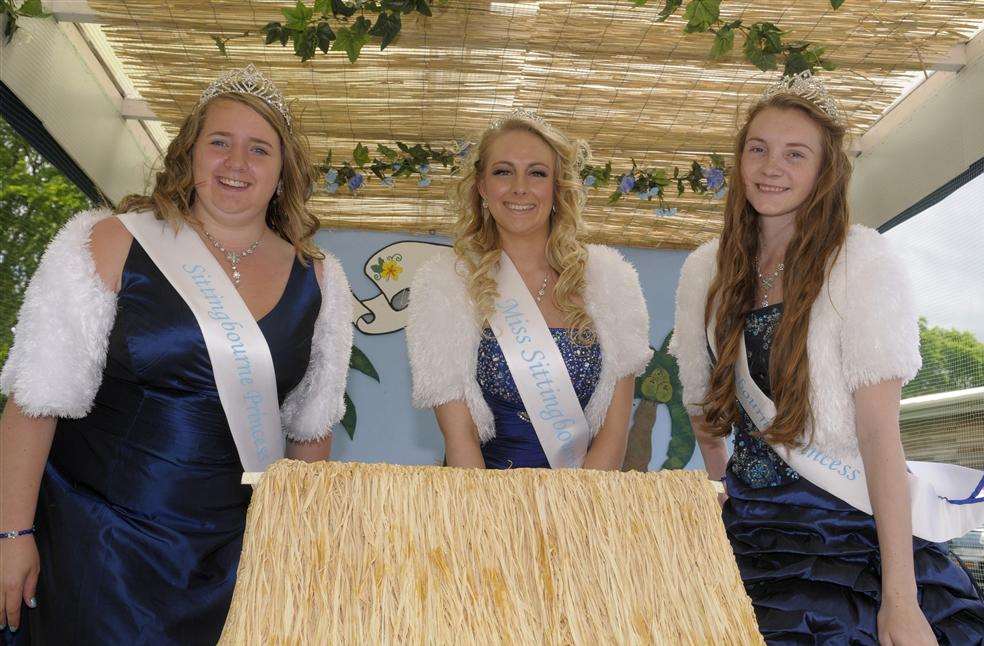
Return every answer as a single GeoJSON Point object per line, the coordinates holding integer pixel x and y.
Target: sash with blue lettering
{"type": "Point", "coordinates": [240, 356]}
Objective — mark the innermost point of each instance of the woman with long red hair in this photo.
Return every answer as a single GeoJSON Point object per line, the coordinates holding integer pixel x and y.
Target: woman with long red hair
{"type": "Point", "coordinates": [795, 332]}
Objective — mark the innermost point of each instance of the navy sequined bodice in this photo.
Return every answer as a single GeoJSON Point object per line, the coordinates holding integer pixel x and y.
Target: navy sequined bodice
{"type": "Point", "coordinates": [753, 460]}
{"type": "Point", "coordinates": [515, 443]}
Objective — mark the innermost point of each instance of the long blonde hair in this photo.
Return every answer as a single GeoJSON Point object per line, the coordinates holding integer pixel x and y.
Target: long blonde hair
{"type": "Point", "coordinates": [821, 229]}
{"type": "Point", "coordinates": [476, 237]}
{"type": "Point", "coordinates": [287, 213]}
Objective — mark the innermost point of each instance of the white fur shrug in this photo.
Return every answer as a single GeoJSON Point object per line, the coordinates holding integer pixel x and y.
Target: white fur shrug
{"type": "Point", "coordinates": [863, 330]}
{"type": "Point", "coordinates": [443, 335]}
{"type": "Point", "coordinates": [56, 363]}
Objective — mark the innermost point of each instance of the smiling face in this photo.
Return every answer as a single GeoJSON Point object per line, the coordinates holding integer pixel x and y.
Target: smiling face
{"type": "Point", "coordinates": [781, 161]}
{"type": "Point", "coordinates": [236, 163]}
{"type": "Point", "coordinates": [518, 182]}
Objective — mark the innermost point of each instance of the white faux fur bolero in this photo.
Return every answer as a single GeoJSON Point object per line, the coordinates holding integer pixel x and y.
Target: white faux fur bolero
{"type": "Point", "coordinates": [863, 330]}
{"type": "Point", "coordinates": [443, 335]}
{"type": "Point", "coordinates": [56, 363]}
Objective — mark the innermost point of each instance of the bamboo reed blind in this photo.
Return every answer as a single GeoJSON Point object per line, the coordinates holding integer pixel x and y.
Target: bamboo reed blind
{"type": "Point", "coordinates": [606, 72]}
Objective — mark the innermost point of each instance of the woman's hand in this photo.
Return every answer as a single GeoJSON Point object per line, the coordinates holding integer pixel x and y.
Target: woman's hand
{"type": "Point", "coordinates": [19, 569]}
{"type": "Point", "coordinates": [902, 623]}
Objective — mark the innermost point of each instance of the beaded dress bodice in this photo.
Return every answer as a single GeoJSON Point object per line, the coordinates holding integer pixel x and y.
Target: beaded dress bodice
{"type": "Point", "coordinates": [753, 459]}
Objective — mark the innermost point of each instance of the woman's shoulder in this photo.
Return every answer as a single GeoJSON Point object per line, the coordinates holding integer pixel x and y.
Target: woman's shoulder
{"type": "Point", "coordinates": [609, 261]}
{"type": "Point", "coordinates": [866, 249]}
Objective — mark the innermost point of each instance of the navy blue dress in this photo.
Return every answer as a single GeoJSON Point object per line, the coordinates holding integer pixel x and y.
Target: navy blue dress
{"type": "Point", "coordinates": [141, 514]}
{"type": "Point", "coordinates": [810, 562]}
{"type": "Point", "coordinates": [515, 444]}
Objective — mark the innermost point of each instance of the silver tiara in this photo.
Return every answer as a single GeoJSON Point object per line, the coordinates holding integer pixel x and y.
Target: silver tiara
{"type": "Point", "coordinates": [522, 114]}
{"type": "Point", "coordinates": [247, 80]}
{"type": "Point", "coordinates": [807, 86]}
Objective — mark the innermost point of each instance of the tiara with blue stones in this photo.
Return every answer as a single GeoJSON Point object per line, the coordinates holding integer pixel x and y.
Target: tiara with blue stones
{"type": "Point", "coordinates": [247, 80]}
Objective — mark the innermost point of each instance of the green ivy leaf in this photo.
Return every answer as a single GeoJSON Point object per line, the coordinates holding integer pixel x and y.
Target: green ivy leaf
{"type": "Point", "coordinates": [387, 27]}
{"type": "Point", "coordinates": [796, 62]}
{"type": "Point", "coordinates": [342, 8]}
{"type": "Point", "coordinates": [306, 43]}
{"type": "Point", "coordinates": [717, 161]}
{"type": "Point", "coordinates": [272, 31]}
{"type": "Point", "coordinates": [668, 9]}
{"type": "Point", "coordinates": [359, 361]}
{"type": "Point", "coordinates": [32, 9]}
{"type": "Point", "coordinates": [325, 36]}
{"type": "Point", "coordinates": [615, 197]}
{"type": "Point", "coordinates": [298, 17]}
{"type": "Point", "coordinates": [323, 7]}
{"type": "Point", "coordinates": [701, 14]}
{"type": "Point", "coordinates": [387, 152]}
{"type": "Point", "coordinates": [836, 4]}
{"type": "Point", "coordinates": [349, 419]}
{"type": "Point", "coordinates": [639, 3]}
{"type": "Point", "coordinates": [724, 41]}
{"type": "Point", "coordinates": [220, 43]}
{"type": "Point", "coordinates": [755, 50]}
{"type": "Point", "coordinates": [360, 155]}
{"type": "Point", "coordinates": [351, 42]}
{"type": "Point", "coordinates": [423, 7]}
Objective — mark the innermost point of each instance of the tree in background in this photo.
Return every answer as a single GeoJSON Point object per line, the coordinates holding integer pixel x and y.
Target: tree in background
{"type": "Point", "coordinates": [952, 360]}
{"type": "Point", "coordinates": [35, 201]}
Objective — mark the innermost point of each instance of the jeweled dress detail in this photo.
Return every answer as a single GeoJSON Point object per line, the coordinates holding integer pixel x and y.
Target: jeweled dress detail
{"type": "Point", "coordinates": [810, 562]}
{"type": "Point", "coordinates": [515, 444]}
{"type": "Point", "coordinates": [141, 511]}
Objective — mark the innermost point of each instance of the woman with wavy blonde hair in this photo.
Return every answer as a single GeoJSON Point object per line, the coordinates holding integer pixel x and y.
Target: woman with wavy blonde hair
{"type": "Point", "coordinates": [160, 352]}
{"type": "Point", "coordinates": [523, 339]}
{"type": "Point", "coordinates": [795, 332]}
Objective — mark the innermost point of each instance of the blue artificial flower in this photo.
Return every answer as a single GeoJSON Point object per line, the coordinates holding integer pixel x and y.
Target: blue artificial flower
{"type": "Point", "coordinates": [332, 187]}
{"type": "Point", "coordinates": [721, 193]}
{"type": "Point", "coordinates": [331, 176]}
{"type": "Point", "coordinates": [388, 181]}
{"type": "Point", "coordinates": [714, 177]}
{"type": "Point", "coordinates": [590, 180]}
{"type": "Point", "coordinates": [654, 192]}
{"type": "Point", "coordinates": [424, 182]}
{"type": "Point", "coordinates": [665, 213]}
{"type": "Point", "coordinates": [356, 182]}
{"type": "Point", "coordinates": [397, 165]}
{"type": "Point", "coordinates": [463, 148]}
{"type": "Point", "coordinates": [626, 183]}
{"type": "Point", "coordinates": [424, 169]}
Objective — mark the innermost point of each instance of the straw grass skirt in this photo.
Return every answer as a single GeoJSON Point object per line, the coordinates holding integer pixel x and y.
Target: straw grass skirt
{"type": "Point", "coordinates": [348, 553]}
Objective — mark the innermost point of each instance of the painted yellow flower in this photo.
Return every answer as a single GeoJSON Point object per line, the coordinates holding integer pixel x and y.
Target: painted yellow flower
{"type": "Point", "coordinates": [391, 270]}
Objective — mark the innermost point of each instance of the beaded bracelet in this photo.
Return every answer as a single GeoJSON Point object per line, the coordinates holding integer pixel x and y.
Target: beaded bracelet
{"type": "Point", "coordinates": [14, 533]}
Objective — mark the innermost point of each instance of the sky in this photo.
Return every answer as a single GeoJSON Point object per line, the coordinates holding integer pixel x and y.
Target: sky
{"type": "Point", "coordinates": [943, 248]}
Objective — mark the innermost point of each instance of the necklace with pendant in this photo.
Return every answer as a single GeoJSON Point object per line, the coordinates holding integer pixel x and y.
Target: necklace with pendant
{"type": "Point", "coordinates": [768, 281]}
{"type": "Point", "coordinates": [233, 256]}
{"type": "Point", "coordinates": [543, 289]}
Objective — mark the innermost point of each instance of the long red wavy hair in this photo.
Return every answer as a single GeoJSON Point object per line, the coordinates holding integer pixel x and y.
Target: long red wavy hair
{"type": "Point", "coordinates": [821, 229]}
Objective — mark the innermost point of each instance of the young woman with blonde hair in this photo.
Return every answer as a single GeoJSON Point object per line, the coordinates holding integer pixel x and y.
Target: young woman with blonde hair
{"type": "Point", "coordinates": [795, 332]}
{"type": "Point", "coordinates": [523, 339]}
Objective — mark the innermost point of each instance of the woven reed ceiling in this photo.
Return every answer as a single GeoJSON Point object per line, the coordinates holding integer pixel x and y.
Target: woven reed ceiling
{"type": "Point", "coordinates": [606, 72]}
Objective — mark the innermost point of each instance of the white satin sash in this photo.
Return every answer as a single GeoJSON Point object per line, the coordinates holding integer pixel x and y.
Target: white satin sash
{"type": "Point", "coordinates": [539, 371]}
{"type": "Point", "coordinates": [240, 356]}
{"type": "Point", "coordinates": [947, 500]}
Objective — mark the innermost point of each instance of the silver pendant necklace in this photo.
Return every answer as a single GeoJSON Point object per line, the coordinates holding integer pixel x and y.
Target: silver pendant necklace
{"type": "Point", "coordinates": [768, 281]}
{"type": "Point", "coordinates": [233, 256]}
{"type": "Point", "coordinates": [543, 289]}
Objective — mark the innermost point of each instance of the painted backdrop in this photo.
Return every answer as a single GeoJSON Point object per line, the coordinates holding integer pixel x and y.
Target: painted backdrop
{"type": "Point", "coordinates": [383, 427]}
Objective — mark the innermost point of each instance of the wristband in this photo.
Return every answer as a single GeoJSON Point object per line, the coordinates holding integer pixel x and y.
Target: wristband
{"type": "Point", "coordinates": [14, 533]}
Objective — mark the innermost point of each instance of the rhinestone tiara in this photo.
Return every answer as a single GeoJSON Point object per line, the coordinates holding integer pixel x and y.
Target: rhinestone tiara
{"type": "Point", "coordinates": [582, 152]}
{"type": "Point", "coordinates": [247, 80]}
{"type": "Point", "coordinates": [809, 87]}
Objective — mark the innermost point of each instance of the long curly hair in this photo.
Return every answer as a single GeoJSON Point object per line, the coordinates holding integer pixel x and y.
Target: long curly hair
{"type": "Point", "coordinates": [476, 237]}
{"type": "Point", "coordinates": [821, 227]}
{"type": "Point", "coordinates": [287, 214]}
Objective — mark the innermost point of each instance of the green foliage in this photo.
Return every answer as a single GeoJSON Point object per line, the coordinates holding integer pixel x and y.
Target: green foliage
{"type": "Point", "coordinates": [764, 47]}
{"type": "Point", "coordinates": [35, 200]}
{"type": "Point", "coordinates": [651, 183]}
{"type": "Point", "coordinates": [309, 27]}
{"type": "Point", "coordinates": [952, 360]}
{"type": "Point", "coordinates": [9, 13]}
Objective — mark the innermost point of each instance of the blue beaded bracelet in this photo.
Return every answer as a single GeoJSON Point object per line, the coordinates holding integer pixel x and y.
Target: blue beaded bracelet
{"type": "Point", "coordinates": [14, 533]}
